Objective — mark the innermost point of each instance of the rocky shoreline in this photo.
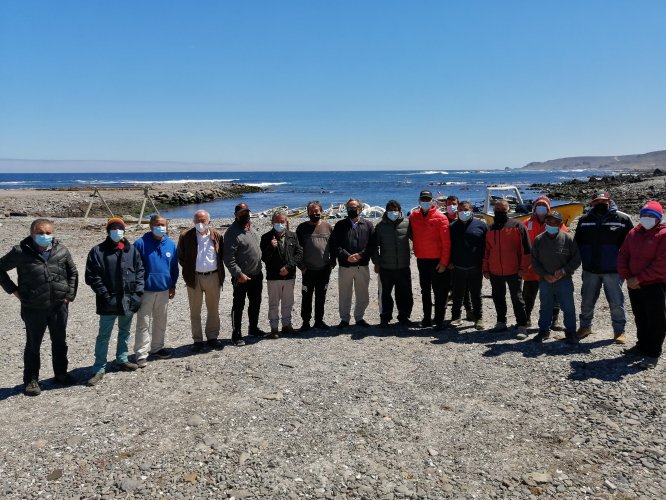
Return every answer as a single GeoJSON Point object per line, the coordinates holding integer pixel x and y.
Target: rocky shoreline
{"type": "Point", "coordinates": [126, 201]}
{"type": "Point", "coordinates": [629, 190]}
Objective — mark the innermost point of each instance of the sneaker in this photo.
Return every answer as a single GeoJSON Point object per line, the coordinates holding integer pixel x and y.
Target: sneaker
{"type": "Point", "coordinates": [385, 323]}
{"type": "Point", "coordinates": [163, 353]}
{"type": "Point", "coordinates": [634, 351]}
{"type": "Point", "coordinates": [142, 363]}
{"type": "Point", "coordinates": [239, 342]}
{"type": "Point", "coordinates": [32, 388]}
{"type": "Point", "coordinates": [362, 323]}
{"type": "Point", "coordinates": [583, 332]}
{"type": "Point", "coordinates": [127, 366]}
{"type": "Point", "coordinates": [95, 379]}
{"type": "Point", "coordinates": [275, 334]}
{"type": "Point", "coordinates": [499, 327]}
{"type": "Point", "coordinates": [197, 347]}
{"type": "Point", "coordinates": [557, 327]}
{"type": "Point", "coordinates": [342, 324]}
{"type": "Point", "coordinates": [541, 336]}
{"type": "Point", "coordinates": [65, 379]}
{"type": "Point", "coordinates": [522, 333]}
{"type": "Point", "coordinates": [287, 329]}
{"type": "Point", "coordinates": [478, 325]}
{"type": "Point", "coordinates": [456, 322]}
{"type": "Point", "coordinates": [320, 325]}
{"type": "Point", "coordinates": [255, 331]}
{"type": "Point", "coordinates": [426, 323]}
{"type": "Point", "coordinates": [620, 338]}
{"type": "Point", "coordinates": [648, 362]}
{"type": "Point", "coordinates": [214, 344]}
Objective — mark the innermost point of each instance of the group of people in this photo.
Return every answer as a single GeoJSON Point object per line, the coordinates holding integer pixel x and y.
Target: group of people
{"type": "Point", "coordinates": [454, 252]}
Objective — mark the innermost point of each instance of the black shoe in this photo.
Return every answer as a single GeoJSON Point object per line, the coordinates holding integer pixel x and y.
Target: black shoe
{"type": "Point", "coordinates": [320, 325]}
{"type": "Point", "coordinates": [65, 379]}
{"type": "Point", "coordinates": [385, 323]}
{"type": "Point", "coordinates": [342, 324]}
{"type": "Point", "coordinates": [197, 347]}
{"type": "Point", "coordinates": [634, 351]}
{"type": "Point", "coordinates": [239, 342]}
{"type": "Point", "coordinates": [541, 336]}
{"type": "Point", "coordinates": [440, 327]}
{"type": "Point", "coordinates": [426, 323]}
{"type": "Point", "coordinates": [255, 331]}
{"type": "Point", "coordinates": [214, 344]}
{"type": "Point", "coordinates": [363, 323]}
{"type": "Point", "coordinates": [32, 388]}
{"type": "Point", "coordinates": [305, 327]}
{"type": "Point", "coordinates": [407, 322]}
{"type": "Point", "coordinates": [163, 353]}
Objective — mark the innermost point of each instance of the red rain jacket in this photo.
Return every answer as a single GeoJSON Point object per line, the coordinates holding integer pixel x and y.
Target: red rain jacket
{"type": "Point", "coordinates": [507, 249]}
{"type": "Point", "coordinates": [430, 234]}
{"type": "Point", "coordinates": [643, 255]}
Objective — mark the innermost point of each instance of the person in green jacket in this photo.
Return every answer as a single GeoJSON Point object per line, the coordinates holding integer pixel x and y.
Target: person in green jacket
{"type": "Point", "coordinates": [391, 259]}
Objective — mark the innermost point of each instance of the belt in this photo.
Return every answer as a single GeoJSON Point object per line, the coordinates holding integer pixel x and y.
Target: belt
{"type": "Point", "coordinates": [207, 273]}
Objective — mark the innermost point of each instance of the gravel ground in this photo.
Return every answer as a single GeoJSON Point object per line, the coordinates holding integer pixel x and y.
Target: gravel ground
{"type": "Point", "coordinates": [377, 413]}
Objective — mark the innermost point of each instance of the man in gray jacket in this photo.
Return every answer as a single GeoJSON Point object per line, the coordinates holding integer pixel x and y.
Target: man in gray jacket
{"type": "Point", "coordinates": [391, 259]}
{"type": "Point", "coordinates": [242, 257]}
{"type": "Point", "coordinates": [555, 258]}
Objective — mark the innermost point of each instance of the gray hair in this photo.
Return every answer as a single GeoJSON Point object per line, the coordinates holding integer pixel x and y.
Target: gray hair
{"type": "Point", "coordinates": [313, 203]}
{"type": "Point", "coordinates": [358, 202]}
{"type": "Point", "coordinates": [39, 222]}
{"type": "Point", "coordinates": [502, 203]}
{"type": "Point", "coordinates": [278, 213]}
{"type": "Point", "coordinates": [201, 212]}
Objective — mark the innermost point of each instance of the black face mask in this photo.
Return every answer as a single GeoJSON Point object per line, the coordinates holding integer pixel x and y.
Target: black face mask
{"type": "Point", "coordinates": [352, 213]}
{"type": "Point", "coordinates": [314, 217]}
{"type": "Point", "coordinates": [501, 217]}
{"type": "Point", "coordinates": [601, 208]}
{"type": "Point", "coordinates": [243, 219]}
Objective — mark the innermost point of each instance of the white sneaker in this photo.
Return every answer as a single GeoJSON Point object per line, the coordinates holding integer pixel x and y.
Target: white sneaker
{"type": "Point", "coordinates": [522, 333]}
{"type": "Point", "coordinates": [455, 322]}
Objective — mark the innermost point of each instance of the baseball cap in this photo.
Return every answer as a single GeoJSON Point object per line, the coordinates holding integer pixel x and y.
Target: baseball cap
{"type": "Point", "coordinates": [425, 194]}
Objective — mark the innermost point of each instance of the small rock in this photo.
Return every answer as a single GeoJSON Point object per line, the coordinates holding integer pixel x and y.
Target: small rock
{"type": "Point", "coordinates": [54, 475]}
{"type": "Point", "coordinates": [39, 444]}
{"type": "Point", "coordinates": [129, 485]}
{"type": "Point", "coordinates": [433, 452]}
{"type": "Point", "coordinates": [537, 478]}
{"type": "Point", "coordinates": [403, 490]}
{"type": "Point", "coordinates": [274, 396]}
{"type": "Point", "coordinates": [74, 441]}
{"type": "Point", "coordinates": [195, 421]}
{"type": "Point", "coordinates": [191, 477]}
{"type": "Point", "coordinates": [239, 493]}
{"type": "Point", "coordinates": [610, 485]}
{"type": "Point", "coordinates": [244, 457]}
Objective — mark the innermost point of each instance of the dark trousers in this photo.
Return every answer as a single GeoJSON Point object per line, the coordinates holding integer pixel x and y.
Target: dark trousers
{"type": "Point", "coordinates": [315, 282]}
{"type": "Point", "coordinates": [252, 289]}
{"type": "Point", "coordinates": [439, 283]}
{"type": "Point", "coordinates": [499, 284]}
{"type": "Point", "coordinates": [467, 283]}
{"type": "Point", "coordinates": [530, 292]}
{"type": "Point", "coordinates": [36, 323]}
{"type": "Point", "coordinates": [647, 303]}
{"type": "Point", "coordinates": [401, 279]}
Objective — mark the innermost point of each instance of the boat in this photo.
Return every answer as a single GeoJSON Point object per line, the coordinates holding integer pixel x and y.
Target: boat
{"type": "Point", "coordinates": [269, 212]}
{"type": "Point", "coordinates": [372, 212]}
{"type": "Point", "coordinates": [518, 209]}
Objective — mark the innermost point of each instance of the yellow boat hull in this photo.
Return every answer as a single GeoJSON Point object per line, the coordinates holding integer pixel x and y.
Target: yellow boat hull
{"type": "Point", "coordinates": [569, 211]}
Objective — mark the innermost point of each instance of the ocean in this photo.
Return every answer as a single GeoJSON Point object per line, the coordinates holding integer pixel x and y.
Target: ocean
{"type": "Point", "coordinates": [295, 189]}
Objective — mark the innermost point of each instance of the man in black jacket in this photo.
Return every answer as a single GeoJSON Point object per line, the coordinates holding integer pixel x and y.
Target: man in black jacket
{"type": "Point", "coordinates": [282, 254]}
{"type": "Point", "coordinates": [599, 235]}
{"type": "Point", "coordinates": [47, 283]}
{"type": "Point", "coordinates": [351, 242]}
{"type": "Point", "coordinates": [114, 271]}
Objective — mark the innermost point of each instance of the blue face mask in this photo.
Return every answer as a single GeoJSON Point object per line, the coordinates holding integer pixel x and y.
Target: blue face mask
{"type": "Point", "coordinates": [425, 205]}
{"type": "Point", "coordinates": [393, 215]}
{"type": "Point", "coordinates": [465, 215]}
{"type": "Point", "coordinates": [552, 229]}
{"type": "Point", "coordinates": [541, 210]}
{"type": "Point", "coordinates": [43, 240]}
{"type": "Point", "coordinates": [116, 234]}
{"type": "Point", "coordinates": [160, 231]}
{"type": "Point", "coordinates": [279, 227]}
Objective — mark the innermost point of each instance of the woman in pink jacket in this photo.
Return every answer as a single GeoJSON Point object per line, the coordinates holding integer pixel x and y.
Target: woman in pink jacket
{"type": "Point", "coordinates": [642, 262]}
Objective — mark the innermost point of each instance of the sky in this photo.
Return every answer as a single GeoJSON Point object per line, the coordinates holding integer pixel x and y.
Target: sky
{"type": "Point", "coordinates": [335, 85]}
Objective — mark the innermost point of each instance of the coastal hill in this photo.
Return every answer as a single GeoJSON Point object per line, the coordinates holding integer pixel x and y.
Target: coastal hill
{"type": "Point", "coordinates": [647, 161]}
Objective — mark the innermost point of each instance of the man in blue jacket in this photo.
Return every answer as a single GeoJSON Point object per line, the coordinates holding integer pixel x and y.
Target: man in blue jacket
{"type": "Point", "coordinates": [114, 271]}
{"type": "Point", "coordinates": [160, 262]}
{"type": "Point", "coordinates": [599, 235]}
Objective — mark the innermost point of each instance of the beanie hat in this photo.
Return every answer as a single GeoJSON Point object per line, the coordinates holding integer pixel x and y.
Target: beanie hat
{"type": "Point", "coordinates": [115, 223]}
{"type": "Point", "coordinates": [653, 208]}
{"type": "Point", "coordinates": [542, 199]}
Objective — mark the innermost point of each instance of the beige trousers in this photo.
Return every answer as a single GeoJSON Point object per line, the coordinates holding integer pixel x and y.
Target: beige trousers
{"type": "Point", "coordinates": [153, 309]}
{"type": "Point", "coordinates": [280, 301]}
{"type": "Point", "coordinates": [206, 287]}
{"type": "Point", "coordinates": [356, 279]}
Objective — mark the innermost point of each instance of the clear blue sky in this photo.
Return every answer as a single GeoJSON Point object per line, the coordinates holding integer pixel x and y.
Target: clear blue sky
{"type": "Point", "coordinates": [332, 84]}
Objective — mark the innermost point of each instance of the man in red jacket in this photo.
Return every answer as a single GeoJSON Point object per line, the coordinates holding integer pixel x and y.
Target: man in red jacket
{"type": "Point", "coordinates": [506, 260]}
{"type": "Point", "coordinates": [642, 262]}
{"type": "Point", "coordinates": [429, 230]}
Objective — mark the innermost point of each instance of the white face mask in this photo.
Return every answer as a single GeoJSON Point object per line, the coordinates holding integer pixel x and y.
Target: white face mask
{"type": "Point", "coordinates": [648, 222]}
{"type": "Point", "coordinates": [201, 227]}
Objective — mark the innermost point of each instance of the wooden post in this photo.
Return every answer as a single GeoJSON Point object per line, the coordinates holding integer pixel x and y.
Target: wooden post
{"type": "Point", "coordinates": [95, 194]}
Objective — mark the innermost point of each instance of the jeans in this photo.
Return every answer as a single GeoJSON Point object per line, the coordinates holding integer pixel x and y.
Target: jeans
{"type": "Point", "coordinates": [401, 280]}
{"type": "Point", "coordinates": [315, 282]}
{"type": "Point", "coordinates": [590, 290]}
{"type": "Point", "coordinates": [499, 284]}
{"type": "Point", "coordinates": [252, 289]}
{"type": "Point", "coordinates": [467, 282]}
{"type": "Point", "coordinates": [106, 322]}
{"type": "Point", "coordinates": [530, 292]}
{"type": "Point", "coordinates": [647, 303]}
{"type": "Point", "coordinates": [561, 291]}
{"type": "Point", "coordinates": [36, 322]}
{"type": "Point", "coordinates": [439, 283]}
